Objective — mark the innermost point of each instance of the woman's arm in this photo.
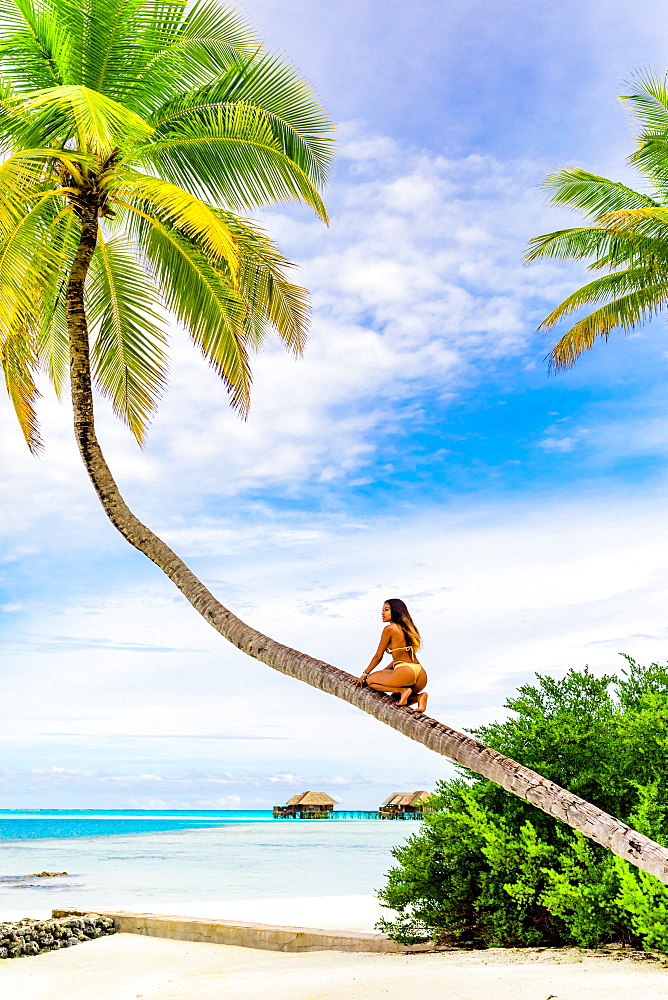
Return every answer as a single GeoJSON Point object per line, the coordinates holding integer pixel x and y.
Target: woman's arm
{"type": "Point", "coordinates": [385, 637]}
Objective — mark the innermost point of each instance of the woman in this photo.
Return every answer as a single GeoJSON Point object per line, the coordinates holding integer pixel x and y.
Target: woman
{"type": "Point", "coordinates": [406, 677]}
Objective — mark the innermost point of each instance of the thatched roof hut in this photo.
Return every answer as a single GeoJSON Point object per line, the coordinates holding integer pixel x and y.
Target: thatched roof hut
{"type": "Point", "coordinates": [306, 805]}
{"type": "Point", "coordinates": [404, 802]}
{"type": "Point", "coordinates": [312, 799]}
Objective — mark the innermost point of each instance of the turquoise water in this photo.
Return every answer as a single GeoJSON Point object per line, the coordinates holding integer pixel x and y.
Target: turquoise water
{"type": "Point", "coordinates": [23, 824]}
{"type": "Point", "coordinates": [133, 858]}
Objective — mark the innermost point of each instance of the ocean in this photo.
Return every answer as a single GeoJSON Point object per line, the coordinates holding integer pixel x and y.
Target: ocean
{"type": "Point", "coordinates": [173, 861]}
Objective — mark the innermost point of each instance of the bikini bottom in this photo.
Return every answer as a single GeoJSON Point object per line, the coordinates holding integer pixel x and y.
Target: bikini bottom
{"type": "Point", "coordinates": [415, 667]}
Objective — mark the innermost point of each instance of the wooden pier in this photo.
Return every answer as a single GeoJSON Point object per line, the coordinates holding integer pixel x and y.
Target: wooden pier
{"type": "Point", "coordinates": [347, 814]}
{"type": "Point", "coordinates": [319, 805]}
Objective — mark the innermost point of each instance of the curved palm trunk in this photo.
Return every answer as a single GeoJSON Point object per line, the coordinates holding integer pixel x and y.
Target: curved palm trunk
{"type": "Point", "coordinates": [553, 800]}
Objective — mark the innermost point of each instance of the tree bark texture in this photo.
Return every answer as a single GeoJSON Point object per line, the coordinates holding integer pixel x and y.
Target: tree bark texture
{"type": "Point", "coordinates": [521, 781]}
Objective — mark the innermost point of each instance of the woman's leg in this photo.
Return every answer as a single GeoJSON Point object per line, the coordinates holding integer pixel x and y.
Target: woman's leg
{"type": "Point", "coordinates": [398, 680]}
{"type": "Point", "coordinates": [418, 695]}
{"type": "Point", "coordinates": [403, 692]}
{"type": "Point", "coordinates": [421, 700]}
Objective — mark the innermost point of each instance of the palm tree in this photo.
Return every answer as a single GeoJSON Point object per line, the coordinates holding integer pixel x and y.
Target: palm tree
{"type": "Point", "coordinates": [627, 236]}
{"type": "Point", "coordinates": [133, 132]}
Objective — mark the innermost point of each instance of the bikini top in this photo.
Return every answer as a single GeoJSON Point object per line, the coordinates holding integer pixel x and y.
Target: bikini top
{"type": "Point", "coordinates": [397, 649]}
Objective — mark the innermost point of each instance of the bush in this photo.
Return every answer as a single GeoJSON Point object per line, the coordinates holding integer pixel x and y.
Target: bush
{"type": "Point", "coordinates": [487, 869]}
{"type": "Point", "coordinates": [645, 899]}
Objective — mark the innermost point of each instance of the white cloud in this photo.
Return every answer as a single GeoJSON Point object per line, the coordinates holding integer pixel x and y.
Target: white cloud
{"type": "Point", "coordinates": [418, 281]}
{"type": "Point", "coordinates": [498, 592]}
{"type": "Point", "coordinates": [558, 444]}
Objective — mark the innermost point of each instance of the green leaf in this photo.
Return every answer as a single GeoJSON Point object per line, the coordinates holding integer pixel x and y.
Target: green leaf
{"type": "Point", "coordinates": [128, 355]}
{"type": "Point", "coordinates": [128, 36]}
{"type": "Point", "coordinates": [623, 313]}
{"type": "Point", "coordinates": [96, 122]}
{"type": "Point", "coordinates": [285, 104]}
{"type": "Point", "coordinates": [34, 44]}
{"type": "Point", "coordinates": [231, 156]}
{"type": "Point", "coordinates": [34, 255]}
{"type": "Point", "coordinates": [203, 300]}
{"type": "Point", "coordinates": [179, 210]}
{"type": "Point", "coordinates": [649, 102]}
{"type": "Point", "coordinates": [271, 300]}
{"type": "Point", "coordinates": [579, 244]}
{"type": "Point", "coordinates": [594, 195]}
{"type": "Point", "coordinates": [18, 362]}
{"type": "Point", "coordinates": [210, 39]}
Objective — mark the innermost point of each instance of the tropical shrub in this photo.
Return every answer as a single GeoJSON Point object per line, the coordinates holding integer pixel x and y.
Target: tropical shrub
{"type": "Point", "coordinates": [487, 869]}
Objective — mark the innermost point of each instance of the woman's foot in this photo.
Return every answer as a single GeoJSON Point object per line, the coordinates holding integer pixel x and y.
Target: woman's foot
{"type": "Point", "coordinates": [404, 694]}
{"type": "Point", "coordinates": [421, 703]}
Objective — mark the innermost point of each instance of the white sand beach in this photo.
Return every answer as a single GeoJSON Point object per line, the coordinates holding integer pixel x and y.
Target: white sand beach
{"type": "Point", "coordinates": [130, 966]}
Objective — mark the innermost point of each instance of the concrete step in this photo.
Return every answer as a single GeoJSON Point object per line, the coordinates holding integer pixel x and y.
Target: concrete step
{"type": "Point", "coordinates": [269, 937]}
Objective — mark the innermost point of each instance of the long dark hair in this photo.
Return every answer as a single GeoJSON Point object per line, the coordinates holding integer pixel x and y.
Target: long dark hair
{"type": "Point", "coordinates": [400, 616]}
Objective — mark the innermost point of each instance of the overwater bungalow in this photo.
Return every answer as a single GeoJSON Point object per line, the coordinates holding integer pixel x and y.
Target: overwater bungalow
{"type": "Point", "coordinates": [307, 805]}
{"type": "Point", "coordinates": [401, 804]}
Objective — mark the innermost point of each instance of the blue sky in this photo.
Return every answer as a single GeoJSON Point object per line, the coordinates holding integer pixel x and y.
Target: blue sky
{"type": "Point", "coordinates": [420, 448]}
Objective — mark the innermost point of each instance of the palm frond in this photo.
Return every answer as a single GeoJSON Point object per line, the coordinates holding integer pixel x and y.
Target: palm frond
{"type": "Point", "coordinates": [52, 337]}
{"type": "Point", "coordinates": [95, 121]}
{"type": "Point", "coordinates": [652, 159]}
{"type": "Point", "coordinates": [292, 113]}
{"type": "Point", "coordinates": [649, 103]}
{"type": "Point", "coordinates": [21, 183]}
{"type": "Point", "coordinates": [639, 223]}
{"type": "Point", "coordinates": [231, 156]}
{"type": "Point", "coordinates": [208, 20]}
{"type": "Point", "coordinates": [178, 209]}
{"type": "Point", "coordinates": [33, 256]}
{"type": "Point", "coordinates": [128, 355]}
{"type": "Point", "coordinates": [209, 39]}
{"type": "Point", "coordinates": [619, 283]}
{"type": "Point", "coordinates": [18, 362]}
{"type": "Point", "coordinates": [270, 300]}
{"type": "Point", "coordinates": [53, 346]}
{"type": "Point", "coordinates": [125, 37]}
{"type": "Point", "coordinates": [593, 195]}
{"type": "Point", "coordinates": [624, 313]}
{"type": "Point", "coordinates": [37, 166]}
{"type": "Point", "coordinates": [34, 45]}
{"type": "Point", "coordinates": [201, 297]}
{"type": "Point", "coordinates": [32, 293]}
{"type": "Point", "coordinates": [581, 243]}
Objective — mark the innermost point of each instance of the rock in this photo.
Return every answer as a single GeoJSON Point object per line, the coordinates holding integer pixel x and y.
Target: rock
{"type": "Point", "coordinates": [30, 937]}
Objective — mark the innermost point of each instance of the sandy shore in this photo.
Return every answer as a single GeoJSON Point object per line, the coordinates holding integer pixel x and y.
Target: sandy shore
{"type": "Point", "coordinates": [128, 966]}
